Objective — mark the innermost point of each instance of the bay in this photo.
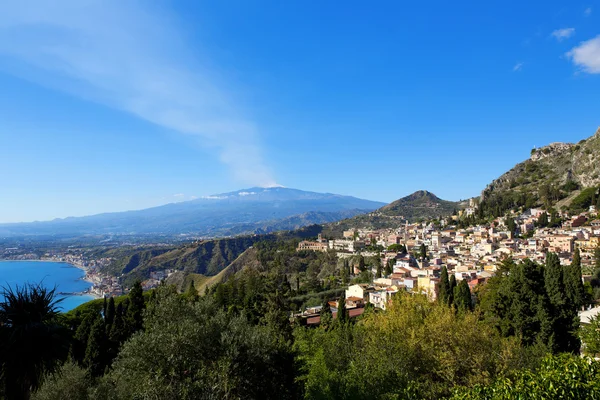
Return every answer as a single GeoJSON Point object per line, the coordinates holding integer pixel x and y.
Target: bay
{"type": "Point", "coordinates": [66, 277]}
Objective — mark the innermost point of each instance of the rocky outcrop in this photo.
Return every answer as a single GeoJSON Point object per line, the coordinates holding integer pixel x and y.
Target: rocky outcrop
{"type": "Point", "coordinates": [553, 166]}
{"type": "Point", "coordinates": [552, 150]}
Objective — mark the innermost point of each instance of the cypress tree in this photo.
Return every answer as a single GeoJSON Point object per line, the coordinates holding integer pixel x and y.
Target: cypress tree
{"type": "Point", "coordinates": [389, 267]}
{"type": "Point", "coordinates": [325, 313]}
{"type": "Point", "coordinates": [342, 316]}
{"type": "Point", "coordinates": [451, 289]}
{"type": "Point", "coordinates": [96, 348]}
{"type": "Point", "coordinates": [542, 220]}
{"type": "Point", "coordinates": [423, 251]}
{"type": "Point", "coordinates": [553, 281]}
{"type": "Point", "coordinates": [563, 314]}
{"type": "Point", "coordinates": [81, 338]}
{"type": "Point", "coordinates": [109, 316]}
{"type": "Point", "coordinates": [443, 286]}
{"type": "Point", "coordinates": [510, 224]}
{"type": "Point", "coordinates": [379, 270]}
{"type": "Point", "coordinates": [462, 297]}
{"type": "Point", "coordinates": [134, 315]}
{"type": "Point", "coordinates": [573, 282]}
{"type": "Point", "coordinates": [117, 331]}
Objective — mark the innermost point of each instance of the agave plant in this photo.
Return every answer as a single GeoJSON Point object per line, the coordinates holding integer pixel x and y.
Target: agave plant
{"type": "Point", "coordinates": [32, 342]}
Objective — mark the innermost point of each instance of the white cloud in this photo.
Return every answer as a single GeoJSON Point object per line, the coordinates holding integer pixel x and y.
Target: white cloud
{"type": "Point", "coordinates": [132, 58]}
{"type": "Point", "coordinates": [562, 34]}
{"type": "Point", "coordinates": [588, 12]}
{"type": "Point", "coordinates": [587, 55]}
{"type": "Point", "coordinates": [518, 67]}
{"type": "Point", "coordinates": [179, 195]}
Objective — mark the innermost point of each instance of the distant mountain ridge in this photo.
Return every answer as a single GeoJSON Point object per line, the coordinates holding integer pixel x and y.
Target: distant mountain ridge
{"type": "Point", "coordinates": [253, 210]}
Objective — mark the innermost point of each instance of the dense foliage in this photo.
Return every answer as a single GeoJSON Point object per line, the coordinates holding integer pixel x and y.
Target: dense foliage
{"type": "Point", "coordinates": [239, 342]}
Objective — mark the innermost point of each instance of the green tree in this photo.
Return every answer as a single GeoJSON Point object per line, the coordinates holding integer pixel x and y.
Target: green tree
{"type": "Point", "coordinates": [134, 314]}
{"type": "Point", "coordinates": [417, 349]}
{"type": "Point", "coordinates": [423, 251]}
{"type": "Point", "coordinates": [563, 313]}
{"type": "Point", "coordinates": [590, 337]}
{"type": "Point", "coordinates": [326, 316]}
{"type": "Point", "coordinates": [196, 350]}
{"type": "Point", "coordinates": [342, 315]}
{"type": "Point", "coordinates": [462, 297]}
{"type": "Point", "coordinates": [361, 263]}
{"type": "Point", "coordinates": [379, 270]}
{"type": "Point", "coordinates": [511, 226]}
{"type": "Point", "coordinates": [191, 293]}
{"type": "Point", "coordinates": [555, 220]}
{"type": "Point", "coordinates": [451, 289]}
{"type": "Point", "coordinates": [96, 350]}
{"type": "Point", "coordinates": [559, 377]}
{"type": "Point", "coordinates": [80, 339]}
{"type": "Point", "coordinates": [70, 382]}
{"type": "Point", "coordinates": [517, 304]}
{"type": "Point", "coordinates": [109, 317]}
{"type": "Point", "coordinates": [444, 286]}
{"type": "Point", "coordinates": [574, 282]}
{"type": "Point", "coordinates": [389, 266]}
{"type": "Point", "coordinates": [32, 342]}
{"type": "Point", "coordinates": [118, 332]}
{"type": "Point", "coordinates": [542, 220]}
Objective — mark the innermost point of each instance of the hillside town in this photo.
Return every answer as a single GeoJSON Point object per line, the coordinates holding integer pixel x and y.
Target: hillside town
{"type": "Point", "coordinates": [413, 255]}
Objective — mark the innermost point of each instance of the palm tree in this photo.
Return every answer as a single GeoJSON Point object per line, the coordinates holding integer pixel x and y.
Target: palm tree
{"type": "Point", "coordinates": [32, 342]}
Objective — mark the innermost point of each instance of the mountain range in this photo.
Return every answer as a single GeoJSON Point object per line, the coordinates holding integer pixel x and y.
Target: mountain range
{"type": "Point", "coordinates": [554, 174]}
{"type": "Point", "coordinates": [253, 210]}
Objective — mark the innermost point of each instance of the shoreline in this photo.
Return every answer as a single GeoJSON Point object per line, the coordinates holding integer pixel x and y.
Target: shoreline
{"type": "Point", "coordinates": [84, 278]}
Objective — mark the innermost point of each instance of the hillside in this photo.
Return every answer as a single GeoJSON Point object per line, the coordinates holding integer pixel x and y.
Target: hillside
{"type": "Point", "coordinates": [247, 211]}
{"type": "Point", "coordinates": [552, 173]}
{"type": "Point", "coordinates": [207, 258]}
{"type": "Point", "coordinates": [418, 205]}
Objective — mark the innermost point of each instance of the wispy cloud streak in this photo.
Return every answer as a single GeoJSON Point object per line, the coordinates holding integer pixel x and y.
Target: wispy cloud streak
{"type": "Point", "coordinates": [130, 57]}
{"type": "Point", "coordinates": [562, 34]}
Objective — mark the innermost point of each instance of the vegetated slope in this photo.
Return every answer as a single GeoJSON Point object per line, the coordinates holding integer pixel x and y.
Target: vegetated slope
{"type": "Point", "coordinates": [247, 211]}
{"type": "Point", "coordinates": [248, 259]}
{"type": "Point", "coordinates": [552, 173]}
{"type": "Point", "coordinates": [207, 258]}
{"type": "Point", "coordinates": [418, 205]}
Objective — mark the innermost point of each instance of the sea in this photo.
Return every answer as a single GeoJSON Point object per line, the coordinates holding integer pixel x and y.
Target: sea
{"type": "Point", "coordinates": [67, 278]}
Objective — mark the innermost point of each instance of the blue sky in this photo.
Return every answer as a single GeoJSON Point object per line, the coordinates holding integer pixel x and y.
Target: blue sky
{"type": "Point", "coordinates": [110, 105]}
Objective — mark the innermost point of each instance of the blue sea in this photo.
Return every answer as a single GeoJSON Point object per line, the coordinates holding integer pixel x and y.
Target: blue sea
{"type": "Point", "coordinates": [66, 277]}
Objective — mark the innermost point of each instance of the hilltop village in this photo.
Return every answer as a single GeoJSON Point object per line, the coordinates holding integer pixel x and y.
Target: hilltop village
{"type": "Point", "coordinates": [412, 256]}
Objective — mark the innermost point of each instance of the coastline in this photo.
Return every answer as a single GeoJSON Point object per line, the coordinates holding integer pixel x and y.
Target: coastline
{"type": "Point", "coordinates": [87, 292]}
